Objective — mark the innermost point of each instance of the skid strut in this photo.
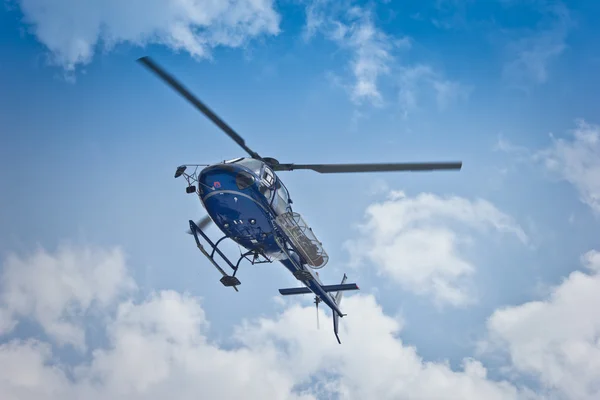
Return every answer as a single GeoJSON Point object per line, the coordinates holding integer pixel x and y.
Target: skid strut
{"type": "Point", "coordinates": [226, 280]}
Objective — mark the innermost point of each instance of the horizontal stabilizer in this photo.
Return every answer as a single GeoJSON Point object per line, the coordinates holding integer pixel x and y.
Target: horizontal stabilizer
{"type": "Point", "coordinates": [327, 288]}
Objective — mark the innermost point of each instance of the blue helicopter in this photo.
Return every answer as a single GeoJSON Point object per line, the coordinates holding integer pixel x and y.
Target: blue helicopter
{"type": "Point", "coordinates": [249, 203]}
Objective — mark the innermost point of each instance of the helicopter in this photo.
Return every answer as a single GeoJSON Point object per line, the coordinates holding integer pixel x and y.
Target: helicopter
{"type": "Point", "coordinates": [247, 200]}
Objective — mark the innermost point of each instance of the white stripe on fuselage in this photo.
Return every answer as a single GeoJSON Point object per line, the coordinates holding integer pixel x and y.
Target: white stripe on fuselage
{"type": "Point", "coordinates": [224, 191]}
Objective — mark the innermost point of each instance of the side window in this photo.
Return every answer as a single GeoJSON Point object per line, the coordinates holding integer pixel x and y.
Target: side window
{"type": "Point", "coordinates": [244, 180]}
{"type": "Point", "coordinates": [268, 176]}
{"type": "Point", "coordinates": [282, 193]}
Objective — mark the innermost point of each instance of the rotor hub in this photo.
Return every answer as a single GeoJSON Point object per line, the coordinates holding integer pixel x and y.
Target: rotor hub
{"type": "Point", "coordinates": [271, 161]}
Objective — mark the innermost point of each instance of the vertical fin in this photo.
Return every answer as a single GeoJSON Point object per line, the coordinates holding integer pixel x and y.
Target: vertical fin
{"type": "Point", "coordinates": [338, 295]}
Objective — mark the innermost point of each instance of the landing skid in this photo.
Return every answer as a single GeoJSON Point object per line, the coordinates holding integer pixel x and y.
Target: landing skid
{"type": "Point", "coordinates": [227, 280]}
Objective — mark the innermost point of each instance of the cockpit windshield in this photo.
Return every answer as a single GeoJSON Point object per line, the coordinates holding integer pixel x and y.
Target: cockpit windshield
{"type": "Point", "coordinates": [282, 192]}
{"type": "Point", "coordinates": [252, 164]}
{"type": "Point", "coordinates": [281, 199]}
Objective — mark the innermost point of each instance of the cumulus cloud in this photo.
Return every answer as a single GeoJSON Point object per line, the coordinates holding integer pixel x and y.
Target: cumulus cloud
{"type": "Point", "coordinates": [72, 30]}
{"type": "Point", "coordinates": [417, 242]}
{"type": "Point", "coordinates": [374, 56]}
{"type": "Point", "coordinates": [556, 339]}
{"type": "Point", "coordinates": [394, 369]}
{"type": "Point", "coordinates": [58, 290]}
{"type": "Point", "coordinates": [159, 347]}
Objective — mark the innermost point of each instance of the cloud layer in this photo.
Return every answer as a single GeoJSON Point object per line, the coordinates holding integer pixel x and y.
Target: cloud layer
{"type": "Point", "coordinates": [159, 347]}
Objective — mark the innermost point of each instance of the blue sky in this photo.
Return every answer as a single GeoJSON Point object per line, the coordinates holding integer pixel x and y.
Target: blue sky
{"type": "Point", "coordinates": [493, 268]}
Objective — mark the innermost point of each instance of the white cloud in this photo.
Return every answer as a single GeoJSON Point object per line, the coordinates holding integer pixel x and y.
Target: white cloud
{"type": "Point", "coordinates": [25, 373]}
{"type": "Point", "coordinates": [591, 260]}
{"type": "Point", "coordinates": [374, 56]}
{"type": "Point", "coordinates": [577, 161]}
{"type": "Point", "coordinates": [354, 29]}
{"type": "Point", "coordinates": [72, 29]}
{"type": "Point", "coordinates": [159, 348]}
{"type": "Point", "coordinates": [414, 241]}
{"type": "Point", "coordinates": [556, 340]}
{"type": "Point", "coordinates": [371, 49]}
{"type": "Point", "coordinates": [369, 339]}
{"type": "Point", "coordinates": [58, 290]}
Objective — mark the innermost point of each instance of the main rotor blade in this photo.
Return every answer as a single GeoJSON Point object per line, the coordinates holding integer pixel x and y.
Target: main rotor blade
{"type": "Point", "coordinates": [171, 81]}
{"type": "Point", "coordinates": [203, 223]}
{"type": "Point", "coordinates": [379, 167]}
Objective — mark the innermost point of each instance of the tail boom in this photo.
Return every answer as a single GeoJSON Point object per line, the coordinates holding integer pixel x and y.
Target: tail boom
{"type": "Point", "coordinates": [333, 301]}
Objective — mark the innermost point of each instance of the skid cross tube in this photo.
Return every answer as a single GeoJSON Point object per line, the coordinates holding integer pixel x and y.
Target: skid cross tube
{"type": "Point", "coordinates": [242, 257]}
{"type": "Point", "coordinates": [216, 245]}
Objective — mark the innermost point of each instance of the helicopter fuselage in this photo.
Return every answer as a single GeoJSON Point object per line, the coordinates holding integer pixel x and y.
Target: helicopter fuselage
{"type": "Point", "coordinates": [243, 198]}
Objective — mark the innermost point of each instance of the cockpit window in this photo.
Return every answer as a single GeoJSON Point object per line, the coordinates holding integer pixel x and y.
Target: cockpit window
{"type": "Point", "coordinates": [243, 180]}
{"type": "Point", "coordinates": [252, 164]}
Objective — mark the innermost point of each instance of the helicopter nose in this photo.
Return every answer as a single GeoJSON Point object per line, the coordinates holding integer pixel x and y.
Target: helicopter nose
{"type": "Point", "coordinates": [217, 177]}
